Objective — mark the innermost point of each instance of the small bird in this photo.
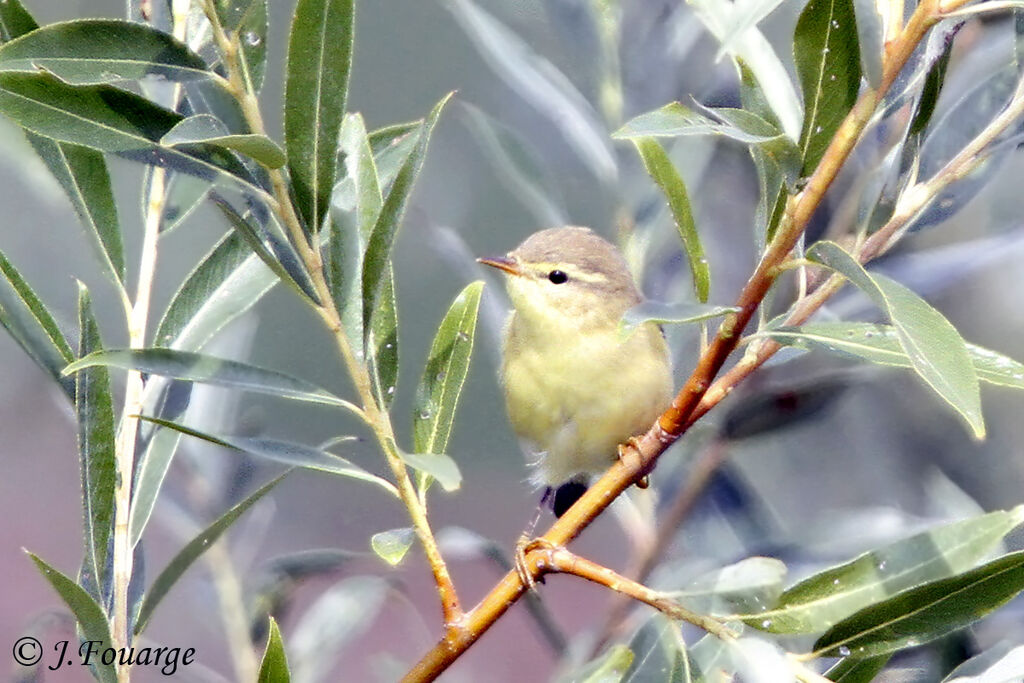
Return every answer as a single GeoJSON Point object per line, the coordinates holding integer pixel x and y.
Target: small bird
{"type": "Point", "coordinates": [576, 386]}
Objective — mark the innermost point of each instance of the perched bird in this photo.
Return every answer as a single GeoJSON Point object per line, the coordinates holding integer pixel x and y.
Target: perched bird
{"type": "Point", "coordinates": [575, 384]}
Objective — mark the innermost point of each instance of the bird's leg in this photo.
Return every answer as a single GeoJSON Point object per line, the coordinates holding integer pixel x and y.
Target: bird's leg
{"type": "Point", "coordinates": [526, 540]}
{"type": "Point", "coordinates": [633, 443]}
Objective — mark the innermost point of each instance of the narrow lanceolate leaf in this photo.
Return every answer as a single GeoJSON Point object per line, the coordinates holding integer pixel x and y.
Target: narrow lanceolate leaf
{"type": "Point", "coordinates": [316, 87]}
{"type": "Point", "coordinates": [93, 51]}
{"type": "Point", "coordinates": [856, 670]}
{"type": "Point", "coordinates": [15, 20]}
{"type": "Point", "coordinates": [437, 395]}
{"type": "Point", "coordinates": [96, 434]}
{"type": "Point", "coordinates": [665, 175]}
{"type": "Point", "coordinates": [438, 465]}
{"type": "Point", "coordinates": [871, 37]}
{"type": "Point", "coordinates": [881, 344]}
{"type": "Point", "coordinates": [276, 253]}
{"type": "Point", "coordinates": [822, 600]}
{"type": "Point", "coordinates": [30, 323]}
{"type": "Point", "coordinates": [671, 314]}
{"type": "Point", "coordinates": [377, 256]}
{"type": "Point", "coordinates": [197, 367]}
{"type": "Point", "coordinates": [111, 120]}
{"type": "Point", "coordinates": [227, 282]}
{"type": "Point", "coordinates": [82, 172]}
{"type": "Point", "coordinates": [392, 545]}
{"type": "Point", "coordinates": [204, 128]}
{"type": "Point", "coordinates": [191, 552]}
{"type": "Point", "coordinates": [253, 28]}
{"type": "Point", "coordinates": [274, 667]}
{"type": "Point", "coordinates": [151, 470]}
{"type": "Point", "coordinates": [659, 653]}
{"type": "Point", "coordinates": [937, 351]}
{"type": "Point", "coordinates": [1001, 663]}
{"type": "Point", "coordinates": [382, 343]}
{"type": "Point", "coordinates": [926, 612]}
{"type": "Point", "coordinates": [827, 54]}
{"type": "Point", "coordinates": [611, 667]}
{"type": "Point", "coordinates": [283, 452]}
{"type": "Point", "coordinates": [90, 616]}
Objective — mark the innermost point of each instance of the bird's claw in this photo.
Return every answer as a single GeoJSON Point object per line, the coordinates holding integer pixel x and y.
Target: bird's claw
{"type": "Point", "coordinates": [524, 546]}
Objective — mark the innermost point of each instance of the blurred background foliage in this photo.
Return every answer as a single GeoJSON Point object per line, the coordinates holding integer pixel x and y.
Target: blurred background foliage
{"type": "Point", "coordinates": [821, 464]}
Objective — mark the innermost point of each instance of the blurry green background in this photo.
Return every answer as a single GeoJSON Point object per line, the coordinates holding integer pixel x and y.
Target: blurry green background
{"type": "Point", "coordinates": [885, 458]}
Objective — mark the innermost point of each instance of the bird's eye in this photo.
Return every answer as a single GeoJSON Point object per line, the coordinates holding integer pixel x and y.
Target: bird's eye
{"type": "Point", "coordinates": [558, 276]}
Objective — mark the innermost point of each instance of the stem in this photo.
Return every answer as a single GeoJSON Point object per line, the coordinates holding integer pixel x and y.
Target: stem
{"type": "Point", "coordinates": [378, 419]}
{"type": "Point", "coordinates": [696, 397]}
{"type": "Point", "coordinates": [552, 559]}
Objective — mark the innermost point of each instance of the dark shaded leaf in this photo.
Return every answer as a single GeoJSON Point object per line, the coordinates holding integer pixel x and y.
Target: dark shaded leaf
{"type": "Point", "coordinates": [771, 408]}
{"type": "Point", "coordinates": [204, 128]}
{"type": "Point", "coordinates": [96, 443]}
{"type": "Point", "coordinates": [665, 175]}
{"type": "Point", "coordinates": [392, 545]}
{"type": "Point", "coordinates": [15, 20]}
{"type": "Point", "coordinates": [316, 88]}
{"type": "Point", "coordinates": [191, 552]}
{"type": "Point", "coordinates": [851, 670]}
{"type": "Point", "coordinates": [197, 367]}
{"type": "Point", "coordinates": [937, 351]}
{"type": "Point", "coordinates": [274, 667]}
{"type": "Point", "coordinates": [437, 395]}
{"type": "Point", "coordinates": [926, 612]}
{"type": "Point", "coordinates": [827, 54]}
{"type": "Point", "coordinates": [33, 327]}
{"type": "Point", "coordinates": [90, 616]}
{"type": "Point", "coordinates": [291, 454]}
{"type": "Point", "coordinates": [94, 51]}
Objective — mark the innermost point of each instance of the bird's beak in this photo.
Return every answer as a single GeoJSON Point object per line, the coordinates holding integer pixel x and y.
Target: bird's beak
{"type": "Point", "coordinates": [509, 265]}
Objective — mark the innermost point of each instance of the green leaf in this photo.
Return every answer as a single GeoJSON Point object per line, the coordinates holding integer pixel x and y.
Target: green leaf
{"type": "Point", "coordinates": [392, 545]}
{"type": "Point", "coordinates": [676, 119]}
{"type": "Point", "coordinates": [291, 454]}
{"type": "Point", "coordinates": [610, 667]}
{"type": "Point", "coordinates": [316, 87]}
{"type": "Point", "coordinates": [437, 465]}
{"type": "Point", "coordinates": [827, 54]}
{"type": "Point", "coordinates": [191, 552]}
{"type": "Point", "coordinates": [204, 128]}
{"type": "Point", "coordinates": [437, 395]}
{"type": "Point", "coordinates": [182, 196]}
{"type": "Point", "coordinates": [149, 478]}
{"type": "Point", "coordinates": [856, 670]}
{"type": "Point", "coordinates": [665, 175]}
{"type": "Point", "coordinates": [881, 344]}
{"type": "Point", "coordinates": [197, 367]}
{"type": "Point", "coordinates": [278, 256]}
{"type": "Point", "coordinates": [746, 585]}
{"type": "Point", "coordinates": [30, 323]}
{"type": "Point", "coordinates": [252, 29]}
{"type": "Point", "coordinates": [377, 256]}
{"type": "Point", "coordinates": [933, 83]}
{"type": "Point", "coordinates": [937, 351]}
{"type": "Point", "coordinates": [15, 20]}
{"type": "Point", "coordinates": [96, 439]}
{"type": "Point", "coordinates": [94, 51]}
{"type": "Point", "coordinates": [228, 281]}
{"type": "Point", "coordinates": [926, 612]}
{"type": "Point", "coordinates": [382, 344]}
{"type": "Point", "coordinates": [82, 172]}
{"type": "Point", "coordinates": [659, 654]}
{"type": "Point", "coordinates": [111, 120]}
{"type": "Point", "coordinates": [820, 601]}
{"type": "Point", "coordinates": [671, 314]}
{"type": "Point", "coordinates": [274, 667]}
{"type": "Point", "coordinates": [90, 616]}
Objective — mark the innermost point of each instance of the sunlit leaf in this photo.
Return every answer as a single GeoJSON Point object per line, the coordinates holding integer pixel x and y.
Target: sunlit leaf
{"type": "Point", "coordinates": [744, 586]}
{"type": "Point", "coordinates": [437, 395]}
{"type": "Point", "coordinates": [610, 667]}
{"type": "Point", "coordinates": [204, 128]}
{"type": "Point", "coordinates": [437, 465]}
{"type": "Point", "coordinates": [881, 344]}
{"type": "Point", "coordinates": [96, 437]}
{"type": "Point", "coordinates": [822, 600]}
{"type": "Point", "coordinates": [191, 552]}
{"type": "Point", "coordinates": [197, 367]}
{"type": "Point", "coordinates": [90, 616]}
{"type": "Point", "coordinates": [665, 175]}
{"type": "Point", "coordinates": [274, 666]}
{"type": "Point", "coordinates": [927, 612]}
{"type": "Point", "coordinates": [30, 323]}
{"type": "Point", "coordinates": [827, 54]}
{"type": "Point", "coordinates": [283, 452]}
{"type": "Point", "coordinates": [659, 654]}
{"type": "Point", "coordinates": [316, 88]}
{"type": "Point", "coordinates": [94, 51]}
{"type": "Point", "coordinates": [392, 545]}
{"type": "Point", "coordinates": [541, 84]}
{"type": "Point", "coordinates": [937, 351]}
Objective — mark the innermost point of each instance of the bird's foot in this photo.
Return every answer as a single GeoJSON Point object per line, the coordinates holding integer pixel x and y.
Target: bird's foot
{"type": "Point", "coordinates": [631, 449]}
{"type": "Point", "coordinates": [524, 545]}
